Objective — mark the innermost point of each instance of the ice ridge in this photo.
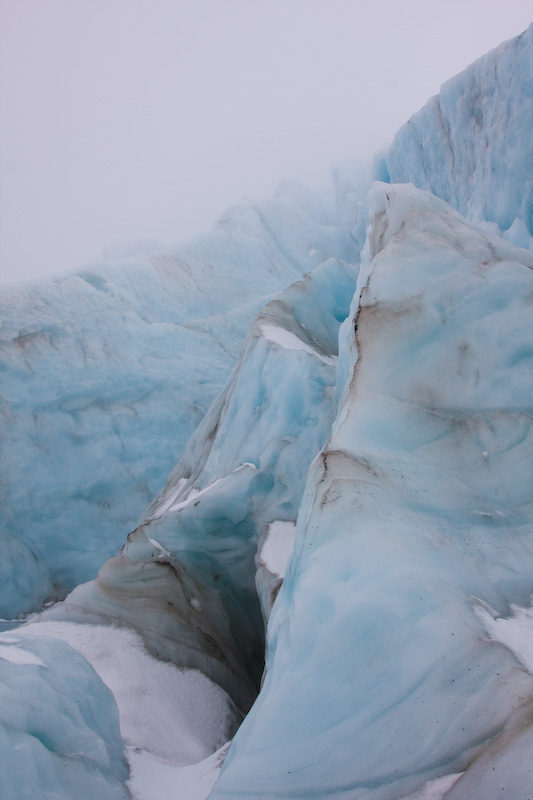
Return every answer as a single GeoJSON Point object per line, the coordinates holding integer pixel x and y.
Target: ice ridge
{"type": "Point", "coordinates": [470, 145]}
{"type": "Point", "coordinates": [416, 511]}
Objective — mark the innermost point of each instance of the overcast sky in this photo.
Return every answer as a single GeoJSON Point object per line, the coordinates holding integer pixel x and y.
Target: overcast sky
{"type": "Point", "coordinates": [144, 119]}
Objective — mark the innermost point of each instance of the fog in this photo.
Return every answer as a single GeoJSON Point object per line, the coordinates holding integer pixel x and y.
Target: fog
{"type": "Point", "coordinates": [143, 119]}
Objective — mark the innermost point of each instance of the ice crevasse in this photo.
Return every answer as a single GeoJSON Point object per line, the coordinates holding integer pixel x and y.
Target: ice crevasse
{"type": "Point", "coordinates": [186, 577]}
{"type": "Point", "coordinates": [379, 416]}
{"type": "Point", "coordinates": [416, 518]}
{"type": "Point", "coordinates": [384, 678]}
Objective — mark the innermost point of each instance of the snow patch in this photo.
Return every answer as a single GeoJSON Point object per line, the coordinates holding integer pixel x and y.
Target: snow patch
{"type": "Point", "coordinates": [289, 341]}
{"type": "Point", "coordinates": [168, 498]}
{"type": "Point", "coordinates": [177, 716]}
{"type": "Point", "coordinates": [153, 779]}
{"type": "Point", "coordinates": [435, 790]}
{"type": "Point", "coordinates": [194, 494]}
{"type": "Point", "coordinates": [278, 546]}
{"type": "Point", "coordinates": [515, 632]}
{"type": "Point", "coordinates": [162, 552]}
{"type": "Point", "coordinates": [17, 655]}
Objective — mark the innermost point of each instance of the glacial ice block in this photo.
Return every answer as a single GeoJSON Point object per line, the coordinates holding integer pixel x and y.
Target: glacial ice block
{"type": "Point", "coordinates": [107, 371]}
{"type": "Point", "coordinates": [186, 577]}
{"type": "Point", "coordinates": [471, 144]}
{"type": "Point", "coordinates": [59, 727]}
{"type": "Point", "coordinates": [417, 512]}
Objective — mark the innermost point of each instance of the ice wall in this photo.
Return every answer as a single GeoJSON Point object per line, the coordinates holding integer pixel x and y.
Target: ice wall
{"type": "Point", "coordinates": [380, 674]}
{"type": "Point", "coordinates": [186, 576]}
{"type": "Point", "coordinates": [471, 144]}
{"type": "Point", "coordinates": [107, 371]}
{"type": "Point", "coordinates": [59, 726]}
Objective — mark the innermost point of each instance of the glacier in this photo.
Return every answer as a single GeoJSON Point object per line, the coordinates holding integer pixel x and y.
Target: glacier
{"type": "Point", "coordinates": [468, 144]}
{"type": "Point", "coordinates": [200, 536]}
{"type": "Point", "coordinates": [107, 371]}
{"type": "Point", "coordinates": [336, 574]}
{"type": "Point", "coordinates": [413, 519]}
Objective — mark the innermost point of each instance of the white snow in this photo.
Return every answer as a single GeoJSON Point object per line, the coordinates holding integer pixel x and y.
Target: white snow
{"type": "Point", "coordinates": [19, 656]}
{"type": "Point", "coordinates": [289, 341]}
{"type": "Point", "coordinates": [168, 497]}
{"type": "Point", "coordinates": [168, 716]}
{"type": "Point", "coordinates": [162, 552]}
{"type": "Point", "coordinates": [435, 790]}
{"type": "Point", "coordinates": [194, 494]}
{"type": "Point", "coordinates": [278, 546]}
{"type": "Point", "coordinates": [515, 632]}
{"type": "Point", "coordinates": [154, 779]}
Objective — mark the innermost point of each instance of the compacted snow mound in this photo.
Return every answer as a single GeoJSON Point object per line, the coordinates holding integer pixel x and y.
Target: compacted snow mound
{"type": "Point", "coordinates": [179, 716]}
{"type": "Point", "coordinates": [380, 676]}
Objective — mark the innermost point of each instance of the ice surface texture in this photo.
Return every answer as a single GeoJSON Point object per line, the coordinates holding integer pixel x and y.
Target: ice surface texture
{"type": "Point", "coordinates": [471, 144]}
{"type": "Point", "coordinates": [399, 441]}
{"type": "Point", "coordinates": [380, 674]}
{"type": "Point", "coordinates": [106, 372]}
{"type": "Point", "coordinates": [186, 577]}
{"type": "Point", "coordinates": [59, 729]}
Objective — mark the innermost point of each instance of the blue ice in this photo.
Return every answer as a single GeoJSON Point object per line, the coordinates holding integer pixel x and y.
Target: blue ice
{"type": "Point", "coordinates": [59, 726]}
{"type": "Point", "coordinates": [369, 367]}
